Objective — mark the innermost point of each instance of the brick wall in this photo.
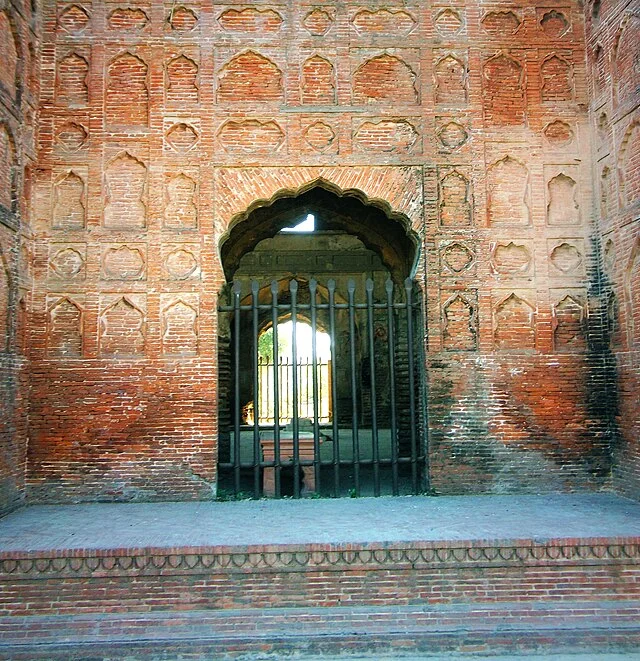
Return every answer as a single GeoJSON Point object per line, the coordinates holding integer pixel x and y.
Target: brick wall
{"type": "Point", "coordinates": [19, 44]}
{"type": "Point", "coordinates": [211, 578]}
{"type": "Point", "coordinates": [613, 30]}
{"type": "Point", "coordinates": [162, 125]}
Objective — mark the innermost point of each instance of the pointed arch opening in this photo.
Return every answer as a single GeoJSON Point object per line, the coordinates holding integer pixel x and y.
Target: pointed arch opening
{"type": "Point", "coordinates": [386, 234]}
{"type": "Point", "coordinates": [319, 349]}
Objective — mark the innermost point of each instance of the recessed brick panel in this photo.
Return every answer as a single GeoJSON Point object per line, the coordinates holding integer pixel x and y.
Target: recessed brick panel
{"type": "Point", "coordinates": [512, 258]}
{"type": "Point", "coordinates": [504, 91]}
{"type": "Point", "coordinates": [9, 55]}
{"type": "Point", "coordinates": [451, 86]}
{"type": "Point", "coordinates": [557, 79]}
{"type": "Point", "coordinates": [383, 22]}
{"type": "Point", "coordinates": [562, 195]}
{"type": "Point", "coordinates": [459, 323]}
{"type": "Point", "coordinates": [67, 261]}
{"type": "Point", "coordinates": [385, 78]}
{"type": "Point", "coordinates": [122, 327]}
{"type": "Point", "coordinates": [182, 80]}
{"type": "Point", "coordinates": [7, 158]}
{"type": "Point", "coordinates": [554, 24]}
{"type": "Point", "coordinates": [559, 133]}
{"type": "Point", "coordinates": [508, 193]}
{"type": "Point", "coordinates": [449, 22]}
{"type": "Point", "coordinates": [251, 20]}
{"type": "Point", "coordinates": [251, 136]}
{"type": "Point", "coordinates": [182, 19]}
{"type": "Point", "coordinates": [630, 164]}
{"type": "Point", "coordinates": [180, 325]}
{"type": "Point", "coordinates": [69, 207]}
{"type": "Point", "coordinates": [501, 23]}
{"type": "Point", "coordinates": [626, 54]}
{"type": "Point", "coordinates": [126, 95]}
{"type": "Point", "coordinates": [182, 137]}
{"type": "Point", "coordinates": [569, 330]}
{"type": "Point", "coordinates": [4, 303]}
{"type": "Point", "coordinates": [318, 85]}
{"type": "Point", "coordinates": [71, 137]}
{"type": "Point", "coordinates": [633, 297]}
{"type": "Point", "coordinates": [514, 323]}
{"type": "Point", "coordinates": [73, 19]}
{"type": "Point", "coordinates": [72, 83]}
{"type": "Point", "coordinates": [125, 188]}
{"type": "Point", "coordinates": [455, 200]}
{"type": "Point", "coordinates": [128, 19]}
{"type": "Point", "coordinates": [64, 336]}
{"type": "Point", "coordinates": [250, 77]}
{"type": "Point", "coordinates": [181, 210]}
{"type": "Point", "coordinates": [318, 21]}
{"type": "Point", "coordinates": [389, 136]}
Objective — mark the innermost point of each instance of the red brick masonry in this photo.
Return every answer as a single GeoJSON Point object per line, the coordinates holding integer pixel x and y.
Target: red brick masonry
{"type": "Point", "coordinates": [227, 577]}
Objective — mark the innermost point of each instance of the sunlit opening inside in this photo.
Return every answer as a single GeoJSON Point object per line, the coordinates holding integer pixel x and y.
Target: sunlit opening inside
{"type": "Point", "coordinates": [304, 342]}
{"type": "Point", "coordinates": [306, 225]}
{"type": "Point", "coordinates": [304, 370]}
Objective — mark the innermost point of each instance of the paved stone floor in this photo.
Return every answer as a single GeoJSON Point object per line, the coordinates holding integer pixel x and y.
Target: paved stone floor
{"type": "Point", "coordinates": [410, 518]}
{"type": "Point", "coordinates": [551, 656]}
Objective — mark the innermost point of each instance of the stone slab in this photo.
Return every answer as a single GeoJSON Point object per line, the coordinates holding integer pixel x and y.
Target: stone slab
{"type": "Point", "coordinates": [319, 521]}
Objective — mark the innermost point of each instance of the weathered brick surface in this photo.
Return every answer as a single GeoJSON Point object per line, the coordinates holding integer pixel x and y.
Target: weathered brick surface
{"type": "Point", "coordinates": [392, 631]}
{"type": "Point", "coordinates": [613, 30]}
{"type": "Point", "coordinates": [501, 137]}
{"type": "Point", "coordinates": [19, 82]}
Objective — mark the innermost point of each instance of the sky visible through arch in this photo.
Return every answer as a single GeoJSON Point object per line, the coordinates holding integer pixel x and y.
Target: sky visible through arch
{"type": "Point", "coordinates": [304, 336]}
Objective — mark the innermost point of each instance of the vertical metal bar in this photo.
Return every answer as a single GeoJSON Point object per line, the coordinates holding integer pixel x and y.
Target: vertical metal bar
{"type": "Point", "coordinates": [392, 385]}
{"type": "Point", "coordinates": [408, 286]}
{"type": "Point", "coordinates": [331, 286]}
{"type": "Point", "coordinates": [256, 392]}
{"type": "Point", "coordinates": [237, 290]}
{"type": "Point", "coordinates": [293, 288]}
{"type": "Point", "coordinates": [423, 385]}
{"type": "Point", "coordinates": [285, 371]}
{"type": "Point", "coordinates": [313, 285]}
{"type": "Point", "coordinates": [372, 368]}
{"type": "Point", "coordinates": [276, 386]}
{"type": "Point", "coordinates": [351, 288]}
{"type": "Point", "coordinates": [266, 382]}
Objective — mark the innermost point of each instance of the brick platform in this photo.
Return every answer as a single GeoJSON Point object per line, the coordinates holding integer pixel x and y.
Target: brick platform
{"type": "Point", "coordinates": [272, 596]}
{"type": "Point", "coordinates": [581, 629]}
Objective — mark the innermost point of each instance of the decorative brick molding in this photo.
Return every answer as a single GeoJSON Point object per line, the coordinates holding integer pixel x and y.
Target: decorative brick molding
{"type": "Point", "coordinates": [310, 576]}
{"type": "Point", "coordinates": [338, 558]}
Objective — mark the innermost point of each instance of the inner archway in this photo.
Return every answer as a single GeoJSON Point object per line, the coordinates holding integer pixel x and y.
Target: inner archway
{"type": "Point", "coordinates": [304, 349]}
{"type": "Point", "coordinates": [348, 420]}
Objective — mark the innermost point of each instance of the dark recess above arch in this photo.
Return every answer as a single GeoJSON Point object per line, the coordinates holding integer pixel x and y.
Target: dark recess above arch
{"type": "Point", "coordinates": [396, 245]}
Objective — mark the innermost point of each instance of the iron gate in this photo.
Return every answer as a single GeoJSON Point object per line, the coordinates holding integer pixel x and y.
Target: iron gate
{"type": "Point", "coordinates": [346, 424]}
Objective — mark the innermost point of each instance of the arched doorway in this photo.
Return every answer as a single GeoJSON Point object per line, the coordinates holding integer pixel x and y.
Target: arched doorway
{"type": "Point", "coordinates": [297, 419]}
{"type": "Point", "coordinates": [283, 348]}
